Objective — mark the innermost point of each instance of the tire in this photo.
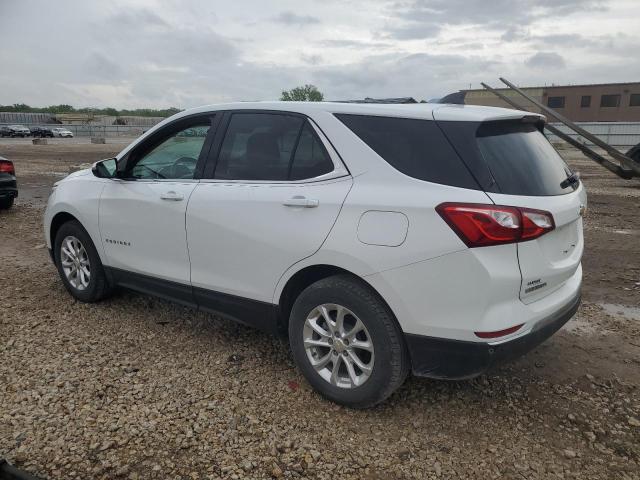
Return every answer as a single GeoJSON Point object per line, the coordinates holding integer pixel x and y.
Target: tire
{"type": "Point", "coordinates": [97, 287]}
{"type": "Point", "coordinates": [389, 359]}
{"type": "Point", "coordinates": [6, 203]}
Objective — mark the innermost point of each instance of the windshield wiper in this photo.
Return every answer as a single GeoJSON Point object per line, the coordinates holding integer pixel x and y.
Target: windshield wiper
{"type": "Point", "coordinates": [572, 179]}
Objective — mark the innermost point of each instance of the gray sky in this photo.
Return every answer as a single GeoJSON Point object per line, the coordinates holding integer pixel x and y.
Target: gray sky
{"type": "Point", "coordinates": [161, 53]}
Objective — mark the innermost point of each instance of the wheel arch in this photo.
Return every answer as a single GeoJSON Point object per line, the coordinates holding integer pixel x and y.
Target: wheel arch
{"type": "Point", "coordinates": [57, 221]}
{"type": "Point", "coordinates": [309, 275]}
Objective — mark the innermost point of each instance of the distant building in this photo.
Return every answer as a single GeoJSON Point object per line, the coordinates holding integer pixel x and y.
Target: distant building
{"type": "Point", "coordinates": [607, 102]}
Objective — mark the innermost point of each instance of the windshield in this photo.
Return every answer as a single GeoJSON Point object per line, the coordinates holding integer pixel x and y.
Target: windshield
{"type": "Point", "coordinates": [521, 160]}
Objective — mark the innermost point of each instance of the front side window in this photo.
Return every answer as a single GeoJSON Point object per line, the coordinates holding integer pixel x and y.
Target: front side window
{"type": "Point", "coordinates": [585, 101]}
{"type": "Point", "coordinates": [175, 157]}
{"type": "Point", "coordinates": [270, 147]}
{"type": "Point", "coordinates": [634, 100]}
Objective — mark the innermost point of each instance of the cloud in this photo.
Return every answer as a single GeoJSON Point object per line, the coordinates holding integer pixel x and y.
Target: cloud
{"type": "Point", "coordinates": [542, 60]}
{"type": "Point", "coordinates": [411, 75]}
{"type": "Point", "coordinates": [137, 18]}
{"type": "Point", "coordinates": [424, 19]}
{"type": "Point", "coordinates": [160, 53]}
{"type": "Point", "coordinates": [99, 66]}
{"type": "Point", "coordinates": [311, 59]}
{"type": "Point", "coordinates": [293, 19]}
{"type": "Point", "coordinates": [352, 43]}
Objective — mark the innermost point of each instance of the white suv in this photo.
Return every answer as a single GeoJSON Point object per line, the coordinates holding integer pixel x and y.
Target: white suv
{"type": "Point", "coordinates": [436, 239]}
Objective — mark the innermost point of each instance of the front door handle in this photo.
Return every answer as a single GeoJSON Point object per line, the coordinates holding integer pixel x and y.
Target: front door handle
{"type": "Point", "coordinates": [300, 201]}
{"type": "Point", "coordinates": [171, 195]}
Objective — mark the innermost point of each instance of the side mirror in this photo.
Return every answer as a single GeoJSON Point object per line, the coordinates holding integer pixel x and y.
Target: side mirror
{"type": "Point", "coordinates": [105, 168]}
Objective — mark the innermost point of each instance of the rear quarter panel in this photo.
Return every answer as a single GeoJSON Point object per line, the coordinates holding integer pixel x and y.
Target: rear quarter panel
{"type": "Point", "coordinates": [378, 187]}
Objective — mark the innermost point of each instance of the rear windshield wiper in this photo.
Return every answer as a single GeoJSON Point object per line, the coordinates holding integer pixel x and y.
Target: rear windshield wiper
{"type": "Point", "coordinates": [572, 179]}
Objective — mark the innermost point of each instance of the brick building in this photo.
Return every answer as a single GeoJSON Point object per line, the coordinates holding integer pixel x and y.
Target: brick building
{"type": "Point", "coordinates": [607, 102]}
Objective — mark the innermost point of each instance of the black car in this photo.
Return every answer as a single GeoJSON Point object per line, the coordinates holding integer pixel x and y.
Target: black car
{"type": "Point", "coordinates": [8, 184]}
{"type": "Point", "coordinates": [14, 131]}
{"type": "Point", "coordinates": [41, 132]}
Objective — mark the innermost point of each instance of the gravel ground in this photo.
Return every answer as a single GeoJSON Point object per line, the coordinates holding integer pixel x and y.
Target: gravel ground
{"type": "Point", "coordinates": [136, 388]}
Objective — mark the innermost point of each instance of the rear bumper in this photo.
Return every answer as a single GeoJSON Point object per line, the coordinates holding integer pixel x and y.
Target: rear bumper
{"type": "Point", "coordinates": [457, 359]}
{"type": "Point", "coordinates": [8, 188]}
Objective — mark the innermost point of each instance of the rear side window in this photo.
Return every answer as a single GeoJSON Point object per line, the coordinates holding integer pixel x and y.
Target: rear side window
{"type": "Point", "coordinates": [266, 146]}
{"type": "Point", "coordinates": [258, 146]}
{"type": "Point", "coordinates": [521, 159]}
{"type": "Point", "coordinates": [311, 159]}
{"type": "Point", "coordinates": [414, 147]}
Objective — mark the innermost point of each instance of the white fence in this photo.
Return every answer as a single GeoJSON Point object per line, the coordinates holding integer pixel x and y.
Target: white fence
{"type": "Point", "coordinates": [617, 134]}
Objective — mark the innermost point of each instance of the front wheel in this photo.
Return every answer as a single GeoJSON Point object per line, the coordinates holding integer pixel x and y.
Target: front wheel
{"type": "Point", "coordinates": [347, 343]}
{"type": "Point", "coordinates": [79, 265]}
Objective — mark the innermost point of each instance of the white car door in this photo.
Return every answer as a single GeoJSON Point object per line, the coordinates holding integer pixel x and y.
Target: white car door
{"type": "Point", "coordinates": [273, 198]}
{"type": "Point", "coordinates": [142, 213]}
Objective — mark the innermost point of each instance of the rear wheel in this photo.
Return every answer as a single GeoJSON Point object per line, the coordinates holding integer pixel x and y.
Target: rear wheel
{"type": "Point", "coordinates": [347, 343]}
{"type": "Point", "coordinates": [79, 265]}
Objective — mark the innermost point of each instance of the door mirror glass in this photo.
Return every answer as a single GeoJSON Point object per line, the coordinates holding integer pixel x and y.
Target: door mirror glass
{"type": "Point", "coordinates": [105, 168]}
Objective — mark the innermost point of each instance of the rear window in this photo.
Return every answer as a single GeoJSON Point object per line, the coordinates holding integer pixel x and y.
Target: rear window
{"type": "Point", "coordinates": [417, 148]}
{"type": "Point", "coordinates": [521, 159]}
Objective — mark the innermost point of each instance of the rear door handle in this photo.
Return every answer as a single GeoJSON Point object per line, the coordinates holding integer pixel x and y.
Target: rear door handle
{"type": "Point", "coordinates": [300, 201]}
{"type": "Point", "coordinates": [171, 195]}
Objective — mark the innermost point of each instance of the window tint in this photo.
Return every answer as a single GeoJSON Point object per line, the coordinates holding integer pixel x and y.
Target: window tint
{"type": "Point", "coordinates": [585, 101]}
{"type": "Point", "coordinates": [634, 101]}
{"type": "Point", "coordinates": [258, 146]}
{"type": "Point", "coordinates": [555, 102]}
{"type": "Point", "coordinates": [521, 159]}
{"type": "Point", "coordinates": [417, 148]}
{"type": "Point", "coordinates": [174, 158]}
{"type": "Point", "coordinates": [311, 159]}
{"type": "Point", "coordinates": [610, 100]}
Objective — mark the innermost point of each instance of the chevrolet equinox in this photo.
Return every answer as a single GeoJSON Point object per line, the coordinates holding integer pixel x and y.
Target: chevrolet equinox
{"type": "Point", "coordinates": [383, 239]}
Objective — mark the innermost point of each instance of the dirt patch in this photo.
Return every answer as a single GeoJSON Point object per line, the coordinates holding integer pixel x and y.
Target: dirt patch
{"type": "Point", "coordinates": [136, 388]}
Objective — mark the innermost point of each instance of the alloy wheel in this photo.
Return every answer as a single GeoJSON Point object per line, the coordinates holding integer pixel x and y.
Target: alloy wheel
{"type": "Point", "coordinates": [338, 346]}
{"type": "Point", "coordinates": [75, 263]}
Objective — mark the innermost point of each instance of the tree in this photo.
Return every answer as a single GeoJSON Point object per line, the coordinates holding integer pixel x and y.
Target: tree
{"type": "Point", "coordinates": [308, 93]}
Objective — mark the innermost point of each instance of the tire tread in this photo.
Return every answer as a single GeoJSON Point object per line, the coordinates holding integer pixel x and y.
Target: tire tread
{"type": "Point", "coordinates": [400, 363]}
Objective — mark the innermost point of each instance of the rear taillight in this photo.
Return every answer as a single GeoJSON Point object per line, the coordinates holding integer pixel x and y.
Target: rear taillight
{"type": "Point", "coordinates": [7, 167]}
{"type": "Point", "coordinates": [480, 225]}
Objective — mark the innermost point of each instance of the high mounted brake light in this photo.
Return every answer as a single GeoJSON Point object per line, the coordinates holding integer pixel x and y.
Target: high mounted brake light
{"type": "Point", "coordinates": [480, 225]}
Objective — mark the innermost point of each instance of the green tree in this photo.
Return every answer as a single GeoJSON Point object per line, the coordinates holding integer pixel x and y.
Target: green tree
{"type": "Point", "coordinates": [308, 93]}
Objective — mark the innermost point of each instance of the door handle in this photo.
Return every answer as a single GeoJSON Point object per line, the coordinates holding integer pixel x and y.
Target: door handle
{"type": "Point", "coordinates": [300, 201]}
{"type": "Point", "coordinates": [171, 195]}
